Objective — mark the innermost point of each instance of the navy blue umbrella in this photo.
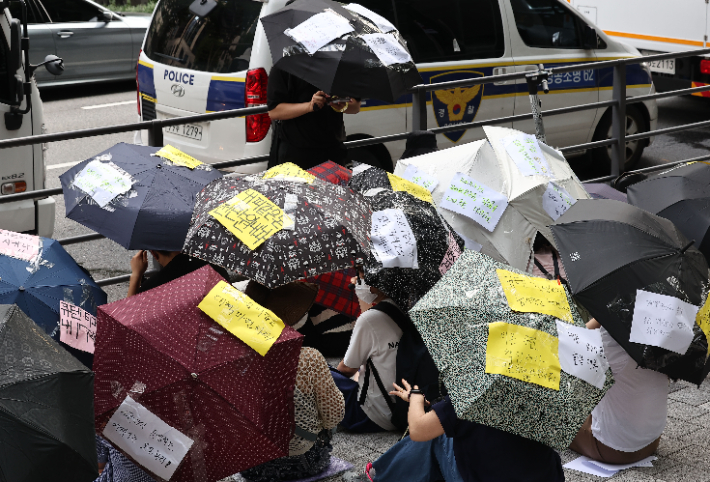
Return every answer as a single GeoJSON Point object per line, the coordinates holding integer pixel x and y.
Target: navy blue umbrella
{"type": "Point", "coordinates": [154, 213]}
{"type": "Point", "coordinates": [37, 287]}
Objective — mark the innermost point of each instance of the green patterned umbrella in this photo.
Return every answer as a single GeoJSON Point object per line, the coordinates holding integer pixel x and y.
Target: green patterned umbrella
{"type": "Point", "coordinates": [469, 302]}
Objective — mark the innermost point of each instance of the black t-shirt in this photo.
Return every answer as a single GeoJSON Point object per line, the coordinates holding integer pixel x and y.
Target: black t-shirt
{"type": "Point", "coordinates": [485, 454]}
{"type": "Point", "coordinates": [180, 265]}
{"type": "Point", "coordinates": [320, 129]}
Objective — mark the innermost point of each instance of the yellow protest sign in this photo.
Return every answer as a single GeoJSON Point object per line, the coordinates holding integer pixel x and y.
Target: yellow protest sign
{"type": "Point", "coordinates": [530, 294]}
{"type": "Point", "coordinates": [401, 184]}
{"type": "Point", "coordinates": [289, 169]}
{"type": "Point", "coordinates": [251, 217]}
{"type": "Point", "coordinates": [243, 317]}
{"type": "Point", "coordinates": [523, 353]}
{"type": "Point", "coordinates": [703, 321]}
{"type": "Point", "coordinates": [177, 157]}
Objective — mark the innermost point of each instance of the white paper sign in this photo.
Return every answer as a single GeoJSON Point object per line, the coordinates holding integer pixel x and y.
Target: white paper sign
{"type": "Point", "coordinates": [527, 155]}
{"type": "Point", "coordinates": [382, 23]}
{"type": "Point", "coordinates": [360, 168]}
{"type": "Point", "coordinates": [589, 466]}
{"type": "Point", "coordinates": [427, 181]}
{"type": "Point", "coordinates": [556, 200]}
{"type": "Point", "coordinates": [475, 200]}
{"type": "Point", "coordinates": [393, 240]}
{"type": "Point", "coordinates": [154, 444]}
{"type": "Point", "coordinates": [102, 181]}
{"type": "Point", "coordinates": [319, 30]}
{"type": "Point", "coordinates": [387, 48]}
{"type": "Point", "coordinates": [290, 211]}
{"type": "Point", "coordinates": [663, 321]}
{"type": "Point", "coordinates": [581, 353]}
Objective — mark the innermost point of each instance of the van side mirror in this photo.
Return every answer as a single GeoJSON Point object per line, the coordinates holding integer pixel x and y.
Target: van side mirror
{"type": "Point", "coordinates": [54, 64]}
{"type": "Point", "coordinates": [15, 45]}
{"type": "Point", "coordinates": [106, 16]}
{"type": "Point", "coordinates": [590, 40]}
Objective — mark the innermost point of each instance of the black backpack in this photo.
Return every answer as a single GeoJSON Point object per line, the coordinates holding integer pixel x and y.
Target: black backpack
{"type": "Point", "coordinates": [414, 364]}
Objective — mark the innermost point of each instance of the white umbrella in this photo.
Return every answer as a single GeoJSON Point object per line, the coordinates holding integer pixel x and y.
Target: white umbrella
{"type": "Point", "coordinates": [484, 175]}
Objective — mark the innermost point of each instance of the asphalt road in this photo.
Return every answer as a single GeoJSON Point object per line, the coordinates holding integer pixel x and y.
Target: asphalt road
{"type": "Point", "coordinates": [109, 104]}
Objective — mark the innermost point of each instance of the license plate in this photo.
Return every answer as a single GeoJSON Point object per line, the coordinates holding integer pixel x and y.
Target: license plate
{"type": "Point", "coordinates": [190, 131]}
{"type": "Point", "coordinates": [662, 66]}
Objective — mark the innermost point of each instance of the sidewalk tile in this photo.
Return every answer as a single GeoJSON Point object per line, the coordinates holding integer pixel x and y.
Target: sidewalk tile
{"type": "Point", "coordinates": [693, 455]}
{"type": "Point", "coordinates": [691, 395]}
{"type": "Point", "coordinates": [684, 473]}
{"type": "Point", "coordinates": [678, 428]}
{"type": "Point", "coordinates": [685, 411]}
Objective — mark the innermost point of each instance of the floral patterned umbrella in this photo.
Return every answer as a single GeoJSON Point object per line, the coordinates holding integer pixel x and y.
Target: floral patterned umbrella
{"type": "Point", "coordinates": [330, 232]}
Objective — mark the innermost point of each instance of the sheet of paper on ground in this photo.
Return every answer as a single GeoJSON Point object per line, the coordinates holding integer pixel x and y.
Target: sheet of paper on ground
{"type": "Point", "coordinates": [601, 469]}
{"type": "Point", "coordinates": [154, 444]}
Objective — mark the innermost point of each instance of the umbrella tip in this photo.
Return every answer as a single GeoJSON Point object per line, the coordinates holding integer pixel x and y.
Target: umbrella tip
{"type": "Point", "coordinates": [682, 251]}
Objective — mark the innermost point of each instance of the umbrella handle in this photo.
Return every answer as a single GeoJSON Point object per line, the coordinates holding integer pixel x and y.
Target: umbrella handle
{"type": "Point", "coordinates": [682, 251]}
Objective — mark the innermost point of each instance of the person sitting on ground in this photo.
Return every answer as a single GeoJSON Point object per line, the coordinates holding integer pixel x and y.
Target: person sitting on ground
{"type": "Point", "coordinates": [374, 341]}
{"type": "Point", "coordinates": [627, 424]}
{"type": "Point", "coordinates": [174, 265]}
{"type": "Point", "coordinates": [442, 446]}
{"type": "Point", "coordinates": [546, 262]}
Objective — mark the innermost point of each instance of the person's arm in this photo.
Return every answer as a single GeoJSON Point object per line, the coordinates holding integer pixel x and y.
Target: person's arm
{"type": "Point", "coordinates": [346, 370]}
{"type": "Point", "coordinates": [360, 347]}
{"type": "Point", "coordinates": [287, 111]}
{"type": "Point", "coordinates": [593, 324]}
{"type": "Point", "coordinates": [423, 426]}
{"type": "Point", "coordinates": [139, 265]}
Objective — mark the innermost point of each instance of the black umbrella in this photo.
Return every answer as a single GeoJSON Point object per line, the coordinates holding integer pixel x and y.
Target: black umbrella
{"type": "Point", "coordinates": [610, 250]}
{"type": "Point", "coordinates": [681, 195]}
{"type": "Point", "coordinates": [46, 406]}
{"type": "Point", "coordinates": [154, 213]}
{"type": "Point", "coordinates": [437, 247]}
{"type": "Point", "coordinates": [346, 66]}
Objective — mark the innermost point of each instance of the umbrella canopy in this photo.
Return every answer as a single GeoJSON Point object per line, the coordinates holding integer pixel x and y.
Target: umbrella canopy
{"type": "Point", "coordinates": [351, 52]}
{"type": "Point", "coordinates": [598, 190]}
{"type": "Point", "coordinates": [152, 196]}
{"type": "Point", "coordinates": [332, 172]}
{"type": "Point", "coordinates": [682, 195]}
{"type": "Point", "coordinates": [39, 285]}
{"type": "Point", "coordinates": [331, 230]}
{"type": "Point", "coordinates": [46, 413]}
{"type": "Point", "coordinates": [166, 354]}
{"type": "Point", "coordinates": [461, 318]}
{"type": "Point", "coordinates": [335, 293]}
{"type": "Point", "coordinates": [619, 257]}
{"type": "Point", "coordinates": [477, 181]}
{"type": "Point", "coordinates": [411, 247]}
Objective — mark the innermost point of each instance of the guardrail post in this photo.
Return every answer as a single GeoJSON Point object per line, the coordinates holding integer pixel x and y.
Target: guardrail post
{"type": "Point", "coordinates": [618, 121]}
{"type": "Point", "coordinates": [419, 113]}
{"type": "Point", "coordinates": [155, 135]}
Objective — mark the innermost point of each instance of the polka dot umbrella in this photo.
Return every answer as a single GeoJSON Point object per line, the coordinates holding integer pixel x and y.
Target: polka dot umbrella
{"type": "Point", "coordinates": [159, 350]}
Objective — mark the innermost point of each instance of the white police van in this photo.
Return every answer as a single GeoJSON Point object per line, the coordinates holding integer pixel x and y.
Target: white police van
{"type": "Point", "coordinates": [192, 65]}
{"type": "Point", "coordinates": [21, 168]}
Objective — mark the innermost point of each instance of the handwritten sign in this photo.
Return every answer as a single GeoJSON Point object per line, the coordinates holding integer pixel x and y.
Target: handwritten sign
{"type": "Point", "coordinates": [154, 444]}
{"type": "Point", "coordinates": [387, 48]}
{"type": "Point", "coordinates": [77, 327]}
{"type": "Point", "coordinates": [18, 245]}
{"type": "Point", "coordinates": [400, 184]}
{"type": "Point", "coordinates": [474, 200]}
{"type": "Point", "coordinates": [530, 294]}
{"type": "Point", "coordinates": [393, 240]}
{"type": "Point", "coordinates": [381, 22]}
{"type": "Point", "coordinates": [523, 353]}
{"type": "Point", "coordinates": [251, 217]}
{"type": "Point", "coordinates": [177, 157]}
{"type": "Point", "coordinates": [663, 321]}
{"type": "Point", "coordinates": [103, 181]}
{"type": "Point", "coordinates": [243, 317]}
{"type": "Point", "coordinates": [581, 353]}
{"type": "Point", "coordinates": [527, 155]}
{"type": "Point", "coordinates": [703, 321]}
{"type": "Point", "coordinates": [427, 181]}
{"type": "Point", "coordinates": [319, 30]}
{"type": "Point", "coordinates": [289, 171]}
{"type": "Point", "coordinates": [556, 200]}
{"type": "Point", "coordinates": [452, 254]}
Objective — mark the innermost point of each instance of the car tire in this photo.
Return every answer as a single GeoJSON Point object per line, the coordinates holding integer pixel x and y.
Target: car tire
{"type": "Point", "coordinates": [376, 155]}
{"type": "Point", "coordinates": [635, 123]}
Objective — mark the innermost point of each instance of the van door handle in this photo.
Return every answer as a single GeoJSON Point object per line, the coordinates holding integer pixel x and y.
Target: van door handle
{"type": "Point", "coordinates": [65, 33]}
{"type": "Point", "coordinates": [501, 71]}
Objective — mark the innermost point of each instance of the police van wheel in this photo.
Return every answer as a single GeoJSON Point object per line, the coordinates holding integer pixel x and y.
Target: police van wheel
{"type": "Point", "coordinates": [635, 123]}
{"type": "Point", "coordinates": [372, 155]}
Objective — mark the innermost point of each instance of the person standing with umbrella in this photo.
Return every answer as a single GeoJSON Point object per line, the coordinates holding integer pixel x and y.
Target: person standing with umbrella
{"type": "Point", "coordinates": [309, 128]}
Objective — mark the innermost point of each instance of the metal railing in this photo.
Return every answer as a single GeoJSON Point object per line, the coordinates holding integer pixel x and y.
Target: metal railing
{"type": "Point", "coordinates": [618, 141]}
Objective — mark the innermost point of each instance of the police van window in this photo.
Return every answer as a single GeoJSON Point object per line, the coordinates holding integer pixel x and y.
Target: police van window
{"type": "Point", "coordinates": [220, 42]}
{"type": "Point", "coordinates": [547, 24]}
{"type": "Point", "coordinates": [72, 11]}
{"type": "Point", "coordinates": [440, 30]}
{"type": "Point", "coordinates": [5, 73]}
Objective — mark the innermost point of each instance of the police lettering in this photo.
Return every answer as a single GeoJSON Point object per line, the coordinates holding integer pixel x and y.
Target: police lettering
{"type": "Point", "coordinates": [179, 77]}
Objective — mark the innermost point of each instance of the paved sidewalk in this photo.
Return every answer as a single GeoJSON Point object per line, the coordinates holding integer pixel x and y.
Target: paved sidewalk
{"type": "Point", "coordinates": [683, 456]}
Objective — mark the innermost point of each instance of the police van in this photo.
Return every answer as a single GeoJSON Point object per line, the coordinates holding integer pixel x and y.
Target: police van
{"type": "Point", "coordinates": [190, 65]}
{"type": "Point", "coordinates": [21, 168]}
